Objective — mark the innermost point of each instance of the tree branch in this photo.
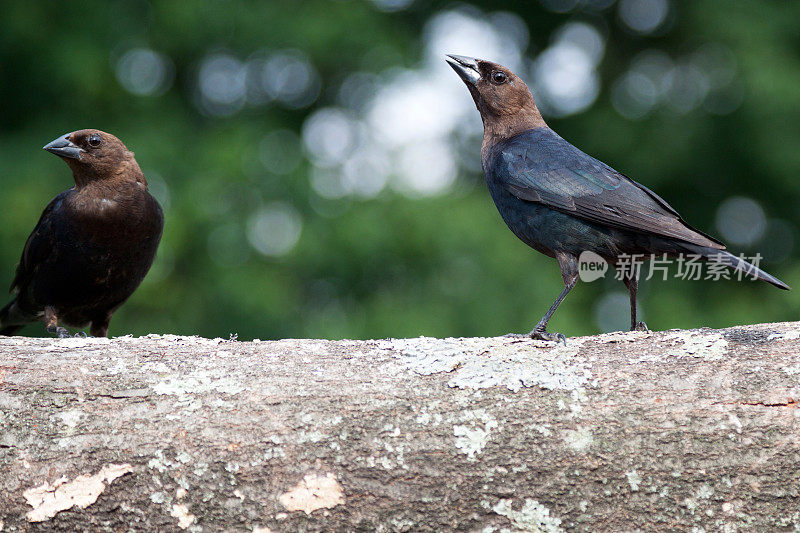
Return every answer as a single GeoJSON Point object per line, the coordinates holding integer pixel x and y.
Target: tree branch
{"type": "Point", "coordinates": [669, 430]}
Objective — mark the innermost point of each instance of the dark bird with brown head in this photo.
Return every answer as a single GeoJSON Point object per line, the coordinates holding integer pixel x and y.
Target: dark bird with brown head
{"type": "Point", "coordinates": [93, 244]}
{"type": "Point", "coordinates": [563, 202]}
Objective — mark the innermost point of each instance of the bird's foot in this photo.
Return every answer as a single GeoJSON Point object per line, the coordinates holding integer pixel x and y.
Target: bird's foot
{"type": "Point", "coordinates": [61, 333]}
{"type": "Point", "coordinates": [80, 335]}
{"type": "Point", "coordinates": [542, 335]}
{"type": "Point", "coordinates": [539, 334]}
{"type": "Point", "coordinates": [640, 326]}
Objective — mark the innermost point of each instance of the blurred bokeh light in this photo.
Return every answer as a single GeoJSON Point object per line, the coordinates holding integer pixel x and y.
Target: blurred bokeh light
{"type": "Point", "coordinates": [643, 16]}
{"type": "Point", "coordinates": [145, 72]}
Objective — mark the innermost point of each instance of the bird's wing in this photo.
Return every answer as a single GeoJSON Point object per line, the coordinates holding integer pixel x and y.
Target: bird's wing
{"type": "Point", "coordinates": [546, 169]}
{"type": "Point", "coordinates": [39, 244]}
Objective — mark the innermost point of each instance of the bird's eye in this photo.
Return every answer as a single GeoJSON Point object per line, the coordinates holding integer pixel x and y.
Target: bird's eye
{"type": "Point", "coordinates": [95, 140]}
{"type": "Point", "coordinates": [499, 78]}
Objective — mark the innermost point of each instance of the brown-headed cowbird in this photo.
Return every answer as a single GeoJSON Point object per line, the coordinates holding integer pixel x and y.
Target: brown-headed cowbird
{"type": "Point", "coordinates": [562, 202]}
{"type": "Point", "coordinates": [93, 244]}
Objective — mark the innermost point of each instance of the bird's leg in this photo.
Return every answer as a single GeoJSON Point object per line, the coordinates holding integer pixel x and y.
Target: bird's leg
{"type": "Point", "coordinates": [100, 326]}
{"type": "Point", "coordinates": [540, 329]}
{"type": "Point", "coordinates": [569, 272]}
{"type": "Point", "coordinates": [51, 323]}
{"type": "Point", "coordinates": [632, 282]}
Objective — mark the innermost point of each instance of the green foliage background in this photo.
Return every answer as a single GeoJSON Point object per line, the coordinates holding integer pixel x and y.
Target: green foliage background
{"type": "Point", "coordinates": [392, 265]}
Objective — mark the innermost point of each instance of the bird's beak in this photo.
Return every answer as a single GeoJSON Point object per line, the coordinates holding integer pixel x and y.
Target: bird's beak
{"type": "Point", "coordinates": [63, 147]}
{"type": "Point", "coordinates": [466, 67]}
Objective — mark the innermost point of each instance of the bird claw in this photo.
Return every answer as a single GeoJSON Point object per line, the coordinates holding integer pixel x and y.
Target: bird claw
{"type": "Point", "coordinates": [539, 335]}
{"type": "Point", "coordinates": [542, 335]}
{"type": "Point", "coordinates": [62, 333]}
{"type": "Point", "coordinates": [80, 335]}
{"type": "Point", "coordinates": [640, 326]}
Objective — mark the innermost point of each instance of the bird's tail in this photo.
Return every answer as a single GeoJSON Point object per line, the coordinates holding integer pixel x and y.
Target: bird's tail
{"type": "Point", "coordinates": [722, 257]}
{"type": "Point", "coordinates": [9, 321]}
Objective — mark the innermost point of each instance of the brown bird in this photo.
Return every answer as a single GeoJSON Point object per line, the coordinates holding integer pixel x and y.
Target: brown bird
{"type": "Point", "coordinates": [93, 244]}
{"type": "Point", "coordinates": [563, 202]}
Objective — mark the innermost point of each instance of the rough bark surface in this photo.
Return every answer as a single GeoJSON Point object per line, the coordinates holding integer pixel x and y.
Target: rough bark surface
{"type": "Point", "coordinates": [653, 431]}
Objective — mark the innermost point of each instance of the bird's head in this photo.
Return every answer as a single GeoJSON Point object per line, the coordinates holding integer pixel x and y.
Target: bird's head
{"type": "Point", "coordinates": [93, 155]}
{"type": "Point", "coordinates": [499, 94]}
